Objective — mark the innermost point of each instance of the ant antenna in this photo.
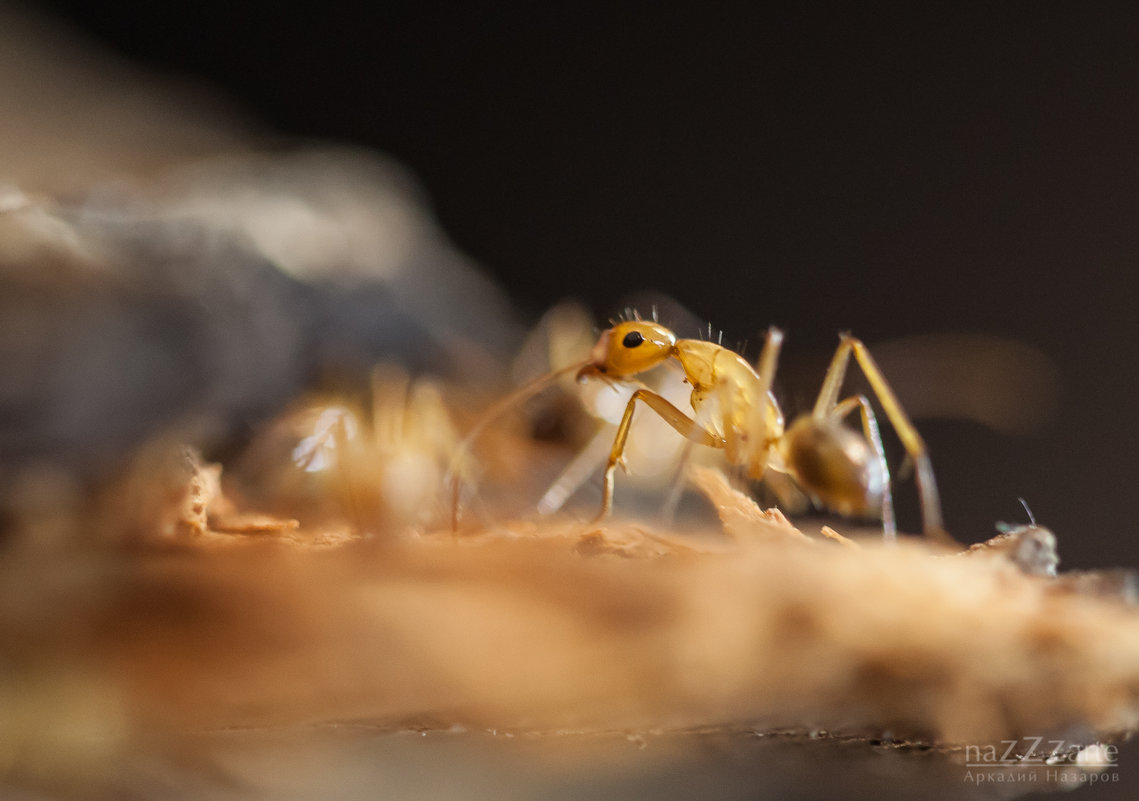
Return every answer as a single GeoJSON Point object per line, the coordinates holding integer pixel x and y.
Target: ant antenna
{"type": "Point", "coordinates": [1005, 528]}
{"type": "Point", "coordinates": [463, 449]}
{"type": "Point", "coordinates": [1031, 518]}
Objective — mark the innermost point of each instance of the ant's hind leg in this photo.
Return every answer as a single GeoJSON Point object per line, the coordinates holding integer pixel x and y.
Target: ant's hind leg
{"type": "Point", "coordinates": [874, 437]}
{"type": "Point", "coordinates": [915, 446]}
{"type": "Point", "coordinates": [683, 424]}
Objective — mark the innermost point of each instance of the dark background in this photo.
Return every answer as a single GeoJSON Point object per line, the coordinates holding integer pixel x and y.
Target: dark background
{"type": "Point", "coordinates": [890, 173]}
{"type": "Point", "coordinates": [893, 173]}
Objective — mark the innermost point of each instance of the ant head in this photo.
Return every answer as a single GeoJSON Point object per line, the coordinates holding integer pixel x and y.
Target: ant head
{"type": "Point", "coordinates": [629, 348]}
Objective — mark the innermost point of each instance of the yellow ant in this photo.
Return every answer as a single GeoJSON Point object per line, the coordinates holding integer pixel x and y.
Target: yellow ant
{"type": "Point", "coordinates": [735, 410]}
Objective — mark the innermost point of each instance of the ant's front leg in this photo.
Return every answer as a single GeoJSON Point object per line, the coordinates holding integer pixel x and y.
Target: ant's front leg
{"type": "Point", "coordinates": [685, 425]}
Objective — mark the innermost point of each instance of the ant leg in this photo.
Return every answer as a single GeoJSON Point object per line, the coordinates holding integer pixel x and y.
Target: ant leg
{"type": "Point", "coordinates": [911, 439]}
{"type": "Point", "coordinates": [769, 358]}
{"type": "Point", "coordinates": [679, 476]}
{"type": "Point", "coordinates": [683, 424]}
{"type": "Point", "coordinates": [676, 486]}
{"type": "Point", "coordinates": [832, 382]}
{"type": "Point", "coordinates": [764, 418]}
{"type": "Point", "coordinates": [874, 437]}
{"type": "Point", "coordinates": [915, 446]}
{"type": "Point", "coordinates": [461, 454]}
{"type": "Point", "coordinates": [576, 472]}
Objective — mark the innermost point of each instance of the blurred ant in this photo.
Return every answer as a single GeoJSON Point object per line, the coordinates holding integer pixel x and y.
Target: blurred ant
{"type": "Point", "coordinates": [733, 409]}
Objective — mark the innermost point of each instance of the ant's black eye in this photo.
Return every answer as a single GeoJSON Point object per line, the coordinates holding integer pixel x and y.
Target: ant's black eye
{"type": "Point", "coordinates": [632, 339]}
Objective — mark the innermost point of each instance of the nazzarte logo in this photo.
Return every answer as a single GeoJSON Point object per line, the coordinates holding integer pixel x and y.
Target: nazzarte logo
{"type": "Point", "coordinates": [1040, 760]}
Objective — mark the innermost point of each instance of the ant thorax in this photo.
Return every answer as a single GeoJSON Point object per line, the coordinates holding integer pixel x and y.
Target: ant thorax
{"type": "Point", "coordinates": [729, 399]}
{"type": "Point", "coordinates": [710, 365]}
